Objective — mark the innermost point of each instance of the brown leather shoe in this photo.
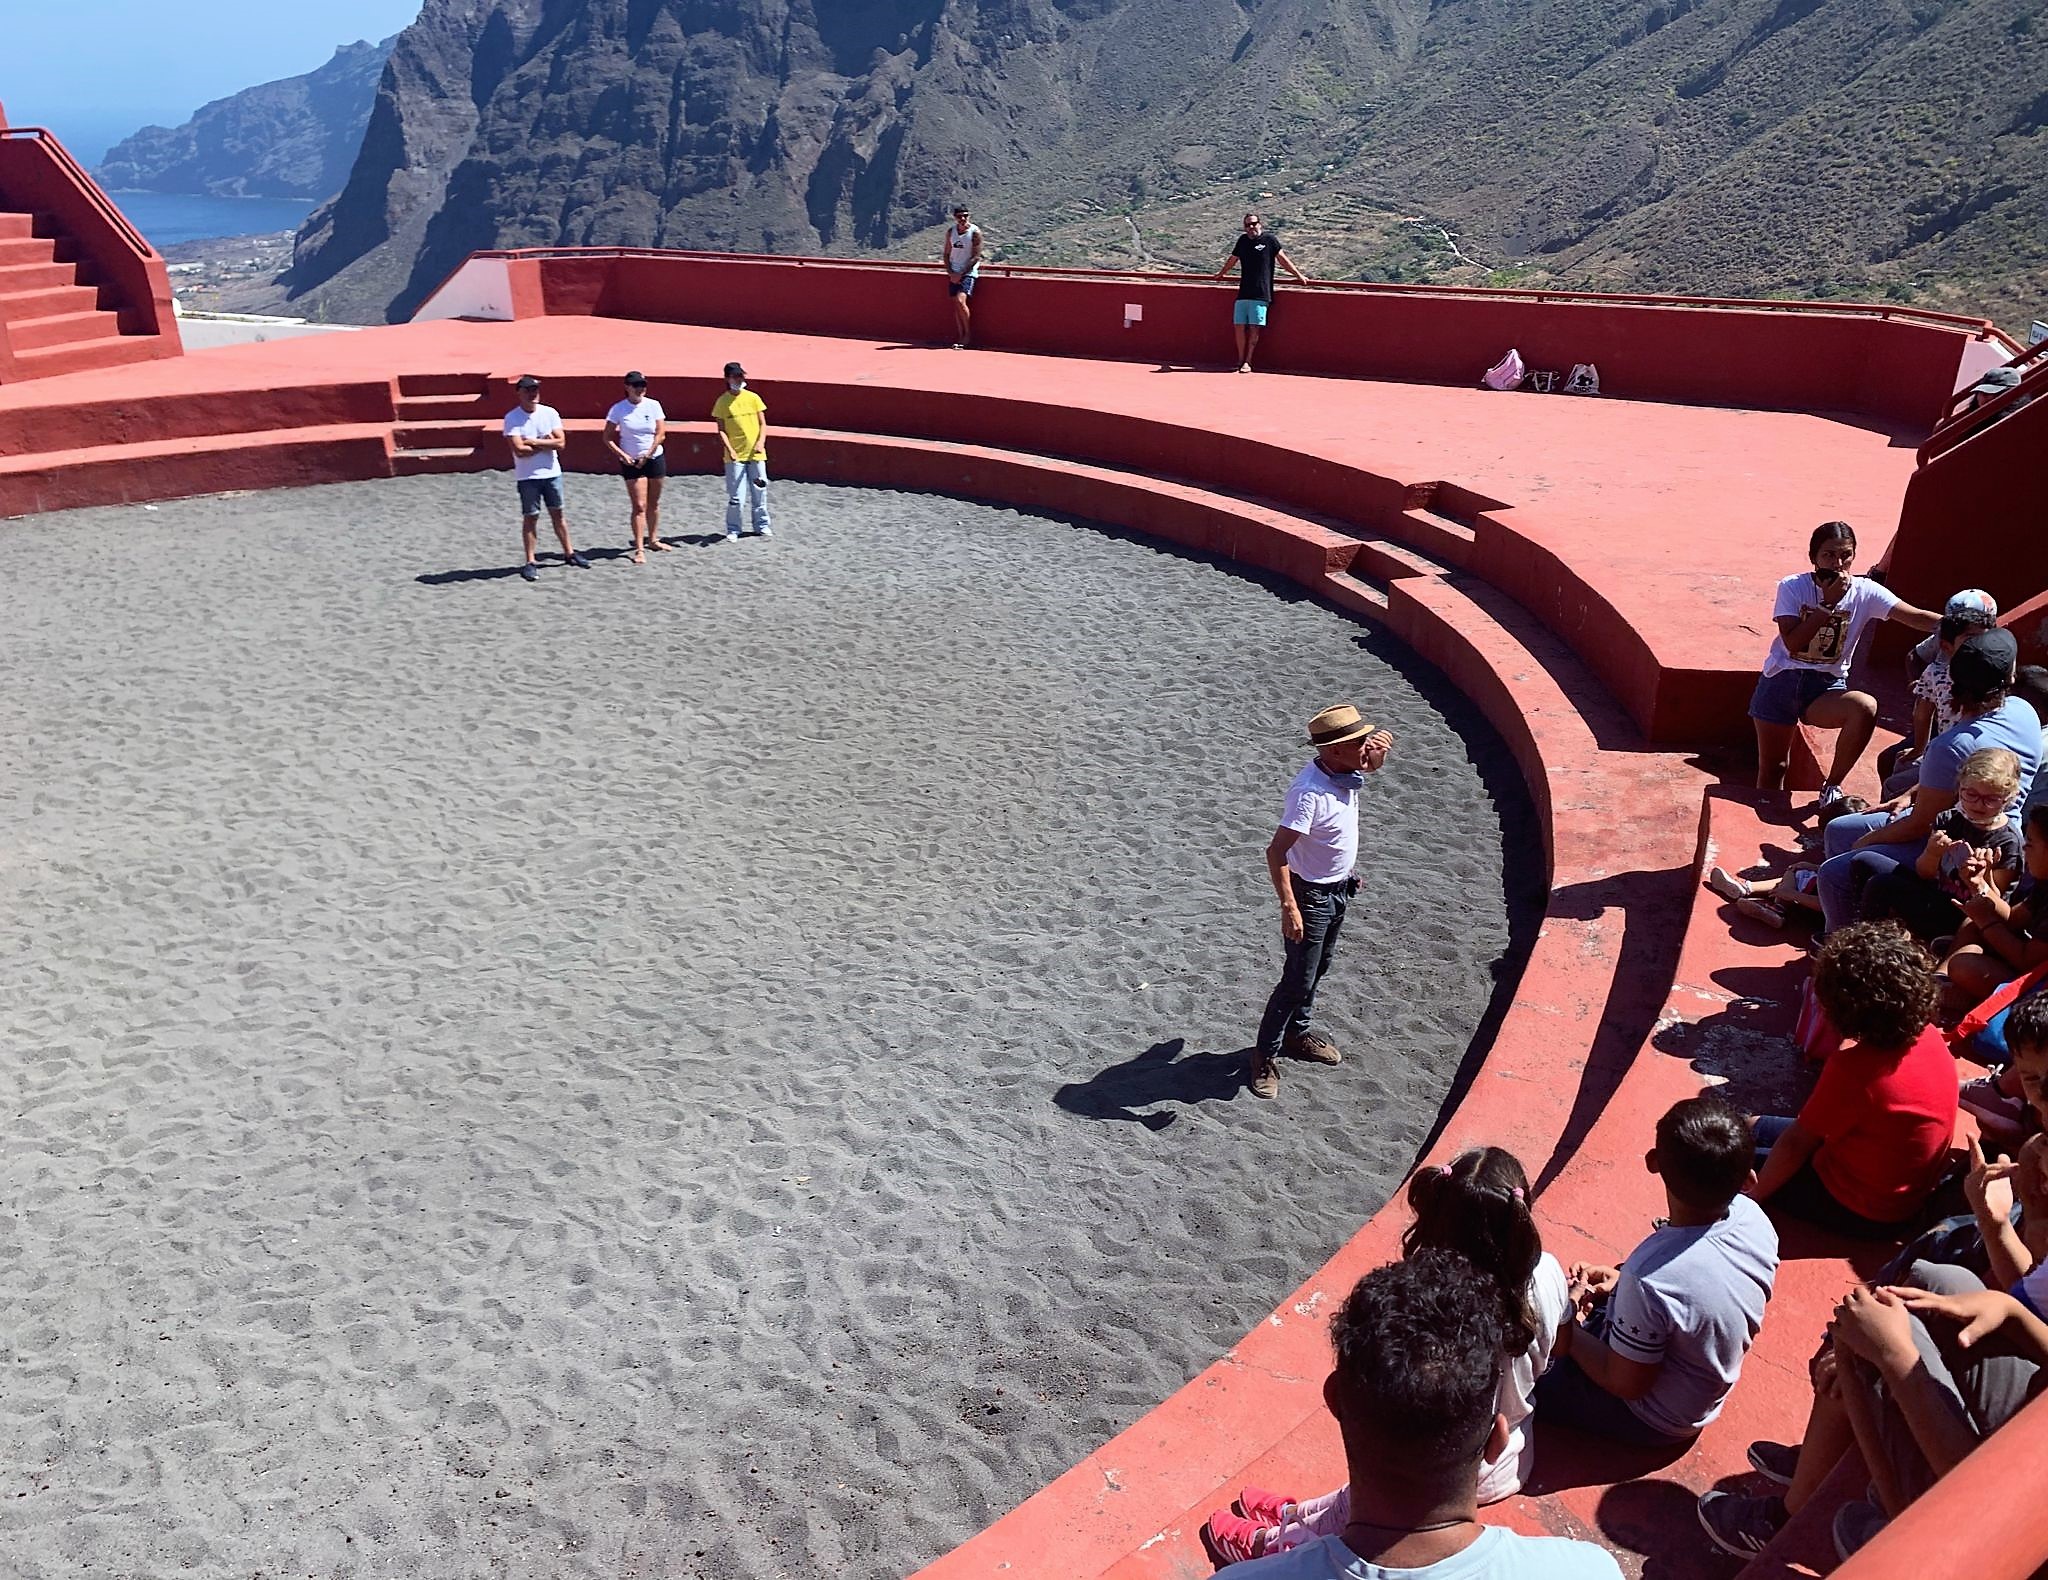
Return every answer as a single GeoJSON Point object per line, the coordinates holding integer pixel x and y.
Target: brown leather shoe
{"type": "Point", "coordinates": [1265, 1081]}
{"type": "Point", "coordinates": [1314, 1047]}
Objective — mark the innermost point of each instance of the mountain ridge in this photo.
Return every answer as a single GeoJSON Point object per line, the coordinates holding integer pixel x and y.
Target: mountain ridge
{"type": "Point", "coordinates": [1886, 148]}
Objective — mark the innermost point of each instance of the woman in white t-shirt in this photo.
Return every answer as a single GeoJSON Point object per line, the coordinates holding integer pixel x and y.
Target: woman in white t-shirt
{"type": "Point", "coordinates": [1821, 614]}
{"type": "Point", "coordinates": [1477, 1205]}
{"type": "Point", "coordinates": [634, 430]}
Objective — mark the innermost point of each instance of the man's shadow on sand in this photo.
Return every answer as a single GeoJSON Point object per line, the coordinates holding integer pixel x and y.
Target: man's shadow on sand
{"type": "Point", "coordinates": [1158, 1075]}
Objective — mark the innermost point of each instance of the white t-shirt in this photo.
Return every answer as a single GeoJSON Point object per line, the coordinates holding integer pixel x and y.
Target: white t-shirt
{"type": "Point", "coordinates": [543, 421]}
{"type": "Point", "coordinates": [960, 249]}
{"type": "Point", "coordinates": [1549, 1297]}
{"type": "Point", "coordinates": [1323, 809]}
{"type": "Point", "coordinates": [636, 422]}
{"type": "Point", "coordinates": [1498, 1554]}
{"type": "Point", "coordinates": [1829, 648]}
{"type": "Point", "coordinates": [1692, 1299]}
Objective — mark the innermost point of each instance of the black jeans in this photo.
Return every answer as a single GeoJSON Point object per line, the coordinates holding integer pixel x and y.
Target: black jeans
{"type": "Point", "coordinates": [1294, 1000]}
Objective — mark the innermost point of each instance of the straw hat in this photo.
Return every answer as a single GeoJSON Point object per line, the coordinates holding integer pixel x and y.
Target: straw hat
{"type": "Point", "coordinates": [1334, 726]}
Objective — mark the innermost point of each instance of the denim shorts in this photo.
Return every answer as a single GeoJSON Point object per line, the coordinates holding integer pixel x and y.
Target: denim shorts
{"type": "Point", "coordinates": [1783, 698]}
{"type": "Point", "coordinates": [537, 491]}
{"type": "Point", "coordinates": [1249, 311]}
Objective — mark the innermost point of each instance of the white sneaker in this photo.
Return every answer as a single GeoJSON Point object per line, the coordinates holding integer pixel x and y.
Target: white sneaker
{"type": "Point", "coordinates": [1829, 795]}
{"type": "Point", "coordinates": [732, 534]}
{"type": "Point", "coordinates": [764, 532]}
{"type": "Point", "coordinates": [1727, 885]}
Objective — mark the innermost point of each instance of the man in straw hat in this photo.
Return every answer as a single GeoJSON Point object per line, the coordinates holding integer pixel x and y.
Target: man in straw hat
{"type": "Point", "coordinates": [1311, 860]}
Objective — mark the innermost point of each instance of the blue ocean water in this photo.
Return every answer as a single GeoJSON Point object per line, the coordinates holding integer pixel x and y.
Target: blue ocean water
{"type": "Point", "coordinates": [167, 219]}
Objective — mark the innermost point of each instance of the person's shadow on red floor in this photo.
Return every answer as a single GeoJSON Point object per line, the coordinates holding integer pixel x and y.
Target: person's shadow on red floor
{"type": "Point", "coordinates": [1163, 1073]}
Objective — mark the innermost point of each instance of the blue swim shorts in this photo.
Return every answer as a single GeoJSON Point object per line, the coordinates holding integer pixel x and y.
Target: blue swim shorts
{"type": "Point", "coordinates": [1783, 698]}
{"type": "Point", "coordinates": [1249, 311]}
{"type": "Point", "coordinates": [537, 491]}
{"type": "Point", "coordinates": [964, 286]}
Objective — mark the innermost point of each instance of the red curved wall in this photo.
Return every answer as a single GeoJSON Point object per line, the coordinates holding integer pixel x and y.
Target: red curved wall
{"type": "Point", "coordinates": [1806, 358]}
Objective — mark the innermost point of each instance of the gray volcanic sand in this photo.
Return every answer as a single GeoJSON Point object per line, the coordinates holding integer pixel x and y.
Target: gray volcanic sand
{"type": "Point", "coordinates": [723, 1068]}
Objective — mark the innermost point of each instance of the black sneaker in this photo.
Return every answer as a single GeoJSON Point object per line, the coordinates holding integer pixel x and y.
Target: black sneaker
{"type": "Point", "coordinates": [529, 572]}
{"type": "Point", "coordinates": [1775, 1462]}
{"type": "Point", "coordinates": [1742, 1526]}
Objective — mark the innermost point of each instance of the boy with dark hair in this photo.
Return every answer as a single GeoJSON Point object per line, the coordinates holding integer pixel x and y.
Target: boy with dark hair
{"type": "Point", "coordinates": [1869, 1145]}
{"type": "Point", "coordinates": [1419, 1352]}
{"type": "Point", "coordinates": [1662, 1337]}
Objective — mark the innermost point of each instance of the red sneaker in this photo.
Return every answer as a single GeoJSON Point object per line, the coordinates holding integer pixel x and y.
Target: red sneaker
{"type": "Point", "coordinates": [1262, 1507]}
{"type": "Point", "coordinates": [1231, 1539]}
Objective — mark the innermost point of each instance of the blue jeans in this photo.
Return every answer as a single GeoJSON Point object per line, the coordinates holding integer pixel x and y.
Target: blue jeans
{"type": "Point", "coordinates": [744, 478]}
{"type": "Point", "coordinates": [1844, 873]}
{"type": "Point", "coordinates": [1308, 960]}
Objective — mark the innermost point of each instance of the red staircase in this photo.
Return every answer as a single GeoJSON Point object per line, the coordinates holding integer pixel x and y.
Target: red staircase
{"type": "Point", "coordinates": [79, 288]}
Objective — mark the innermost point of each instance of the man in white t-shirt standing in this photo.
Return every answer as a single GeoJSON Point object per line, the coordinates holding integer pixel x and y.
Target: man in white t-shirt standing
{"type": "Point", "coordinates": [535, 435]}
{"type": "Point", "coordinates": [1311, 860]}
{"type": "Point", "coordinates": [960, 252]}
{"type": "Point", "coordinates": [1414, 1391]}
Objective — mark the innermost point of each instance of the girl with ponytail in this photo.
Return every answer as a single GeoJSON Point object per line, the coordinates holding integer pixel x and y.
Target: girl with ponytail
{"type": "Point", "coordinates": [1478, 1206]}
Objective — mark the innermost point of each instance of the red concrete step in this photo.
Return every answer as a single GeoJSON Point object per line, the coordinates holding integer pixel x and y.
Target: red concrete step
{"type": "Point", "coordinates": [36, 276]}
{"type": "Point", "coordinates": [424, 408]}
{"type": "Point", "coordinates": [27, 249]}
{"type": "Point", "coordinates": [439, 435]}
{"type": "Point", "coordinates": [425, 462]}
{"type": "Point", "coordinates": [1393, 562]}
{"type": "Point", "coordinates": [46, 300]}
{"type": "Point", "coordinates": [471, 384]}
{"type": "Point", "coordinates": [57, 329]}
{"type": "Point", "coordinates": [1438, 535]}
{"type": "Point", "coordinates": [87, 356]}
{"type": "Point", "coordinates": [210, 464]}
{"type": "Point", "coordinates": [15, 226]}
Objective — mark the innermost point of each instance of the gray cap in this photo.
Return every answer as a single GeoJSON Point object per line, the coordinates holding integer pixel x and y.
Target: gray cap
{"type": "Point", "coordinates": [1997, 382]}
{"type": "Point", "coordinates": [529, 382]}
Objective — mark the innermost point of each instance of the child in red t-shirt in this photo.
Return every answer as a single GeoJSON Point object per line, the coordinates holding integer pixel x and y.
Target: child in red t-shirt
{"type": "Point", "coordinates": [1871, 1142]}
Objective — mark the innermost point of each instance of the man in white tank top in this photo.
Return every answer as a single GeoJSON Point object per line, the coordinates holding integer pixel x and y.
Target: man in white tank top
{"type": "Point", "coordinates": [960, 252]}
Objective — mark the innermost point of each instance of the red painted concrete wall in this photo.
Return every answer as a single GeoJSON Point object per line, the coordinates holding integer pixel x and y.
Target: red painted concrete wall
{"type": "Point", "coordinates": [1898, 372]}
{"type": "Point", "coordinates": [38, 176]}
{"type": "Point", "coordinates": [1991, 493]}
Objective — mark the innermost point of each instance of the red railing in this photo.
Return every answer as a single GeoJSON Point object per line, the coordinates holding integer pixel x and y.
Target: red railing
{"type": "Point", "coordinates": [116, 220]}
{"type": "Point", "coordinates": [39, 176]}
{"type": "Point", "coordinates": [1982, 328]}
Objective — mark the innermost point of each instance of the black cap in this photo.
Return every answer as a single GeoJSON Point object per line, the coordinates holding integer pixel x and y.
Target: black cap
{"type": "Point", "coordinates": [529, 382]}
{"type": "Point", "coordinates": [734, 371]}
{"type": "Point", "coordinates": [636, 377]}
{"type": "Point", "coordinates": [1983, 662]}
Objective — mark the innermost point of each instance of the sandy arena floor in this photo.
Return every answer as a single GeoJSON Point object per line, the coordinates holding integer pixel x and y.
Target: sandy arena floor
{"type": "Point", "coordinates": [724, 1068]}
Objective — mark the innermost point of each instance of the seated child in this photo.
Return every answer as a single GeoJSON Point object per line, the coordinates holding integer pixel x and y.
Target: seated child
{"type": "Point", "coordinates": [1870, 1144]}
{"type": "Point", "coordinates": [1973, 850]}
{"type": "Point", "coordinates": [1476, 1205]}
{"type": "Point", "coordinates": [1794, 894]}
{"type": "Point", "coordinates": [2003, 935]}
{"type": "Point", "coordinates": [1934, 710]}
{"type": "Point", "coordinates": [1663, 1336]}
{"type": "Point", "coordinates": [2013, 1263]}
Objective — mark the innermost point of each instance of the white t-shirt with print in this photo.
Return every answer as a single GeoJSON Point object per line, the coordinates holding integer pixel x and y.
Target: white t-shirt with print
{"type": "Point", "coordinates": [1828, 649]}
{"type": "Point", "coordinates": [538, 424]}
{"type": "Point", "coordinates": [1498, 1554]}
{"type": "Point", "coordinates": [636, 422]}
{"type": "Point", "coordinates": [1323, 809]}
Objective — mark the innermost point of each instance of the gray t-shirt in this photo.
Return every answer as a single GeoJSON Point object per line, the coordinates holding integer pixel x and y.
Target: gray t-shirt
{"type": "Point", "coordinates": [2013, 724]}
{"type": "Point", "coordinates": [1693, 1300]}
{"type": "Point", "coordinates": [1498, 1555]}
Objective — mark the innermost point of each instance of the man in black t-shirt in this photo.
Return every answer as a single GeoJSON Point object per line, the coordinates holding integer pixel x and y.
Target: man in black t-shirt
{"type": "Point", "coordinates": [1255, 255]}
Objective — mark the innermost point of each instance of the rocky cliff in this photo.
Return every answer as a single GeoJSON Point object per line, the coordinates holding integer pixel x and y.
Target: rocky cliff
{"type": "Point", "coordinates": [294, 138]}
{"type": "Point", "coordinates": [1810, 146]}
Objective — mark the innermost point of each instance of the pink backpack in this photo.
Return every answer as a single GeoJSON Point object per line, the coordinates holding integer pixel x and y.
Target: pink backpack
{"type": "Point", "coordinates": [1506, 374]}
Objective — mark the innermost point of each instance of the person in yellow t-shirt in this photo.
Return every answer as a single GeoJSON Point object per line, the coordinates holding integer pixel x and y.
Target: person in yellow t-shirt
{"type": "Point", "coordinates": [742, 419]}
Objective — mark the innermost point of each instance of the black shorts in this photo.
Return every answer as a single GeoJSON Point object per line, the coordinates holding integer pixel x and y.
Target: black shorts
{"type": "Point", "coordinates": [657, 467]}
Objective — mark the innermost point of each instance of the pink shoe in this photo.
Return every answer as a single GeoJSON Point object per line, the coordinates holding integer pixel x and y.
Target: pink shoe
{"type": "Point", "coordinates": [1262, 1507]}
{"type": "Point", "coordinates": [1232, 1539]}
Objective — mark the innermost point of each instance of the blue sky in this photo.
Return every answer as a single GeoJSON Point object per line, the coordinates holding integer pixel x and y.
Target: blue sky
{"type": "Point", "coordinates": [95, 74]}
